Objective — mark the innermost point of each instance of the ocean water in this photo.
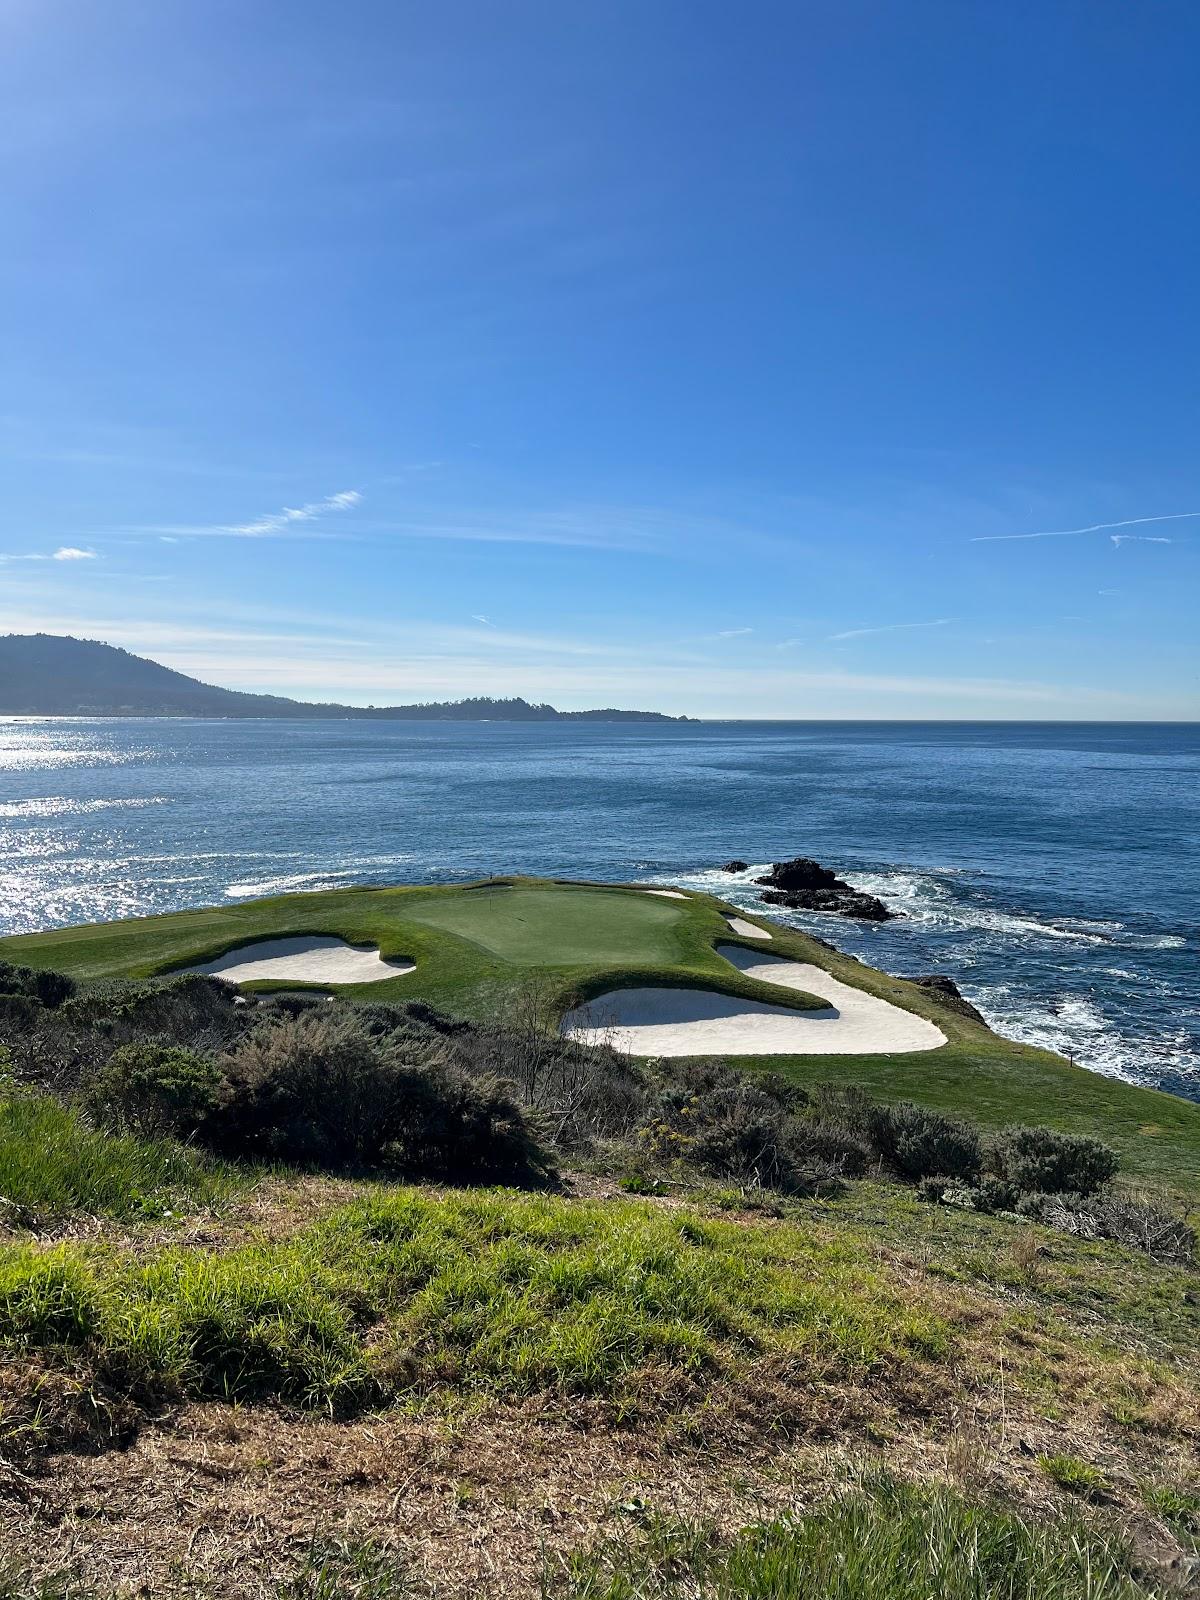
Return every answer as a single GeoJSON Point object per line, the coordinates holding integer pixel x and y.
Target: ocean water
{"type": "Point", "coordinates": [1053, 870]}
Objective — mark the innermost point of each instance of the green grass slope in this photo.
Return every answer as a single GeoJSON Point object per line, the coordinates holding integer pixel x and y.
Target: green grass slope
{"type": "Point", "coordinates": [478, 948]}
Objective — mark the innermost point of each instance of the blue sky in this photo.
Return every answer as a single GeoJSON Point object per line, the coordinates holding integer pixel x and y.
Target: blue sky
{"type": "Point", "coordinates": [725, 360]}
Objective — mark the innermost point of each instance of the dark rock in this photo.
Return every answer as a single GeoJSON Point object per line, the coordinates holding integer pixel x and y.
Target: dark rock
{"type": "Point", "coordinates": [805, 885]}
{"type": "Point", "coordinates": [843, 902]}
{"type": "Point", "coordinates": [735, 866]}
{"type": "Point", "coordinates": [801, 873]}
{"type": "Point", "coordinates": [946, 989]}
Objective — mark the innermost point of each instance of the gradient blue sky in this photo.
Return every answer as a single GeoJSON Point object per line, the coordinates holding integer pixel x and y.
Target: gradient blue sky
{"type": "Point", "coordinates": [722, 359]}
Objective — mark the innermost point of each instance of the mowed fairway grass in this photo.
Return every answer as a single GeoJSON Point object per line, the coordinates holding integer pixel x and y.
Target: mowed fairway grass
{"type": "Point", "coordinates": [479, 947]}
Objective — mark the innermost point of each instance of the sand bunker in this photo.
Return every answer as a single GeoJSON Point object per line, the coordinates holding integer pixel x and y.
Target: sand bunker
{"type": "Point", "coordinates": [701, 1022]}
{"type": "Point", "coordinates": [667, 894]}
{"type": "Point", "coordinates": [311, 958]}
{"type": "Point", "coordinates": [746, 929]}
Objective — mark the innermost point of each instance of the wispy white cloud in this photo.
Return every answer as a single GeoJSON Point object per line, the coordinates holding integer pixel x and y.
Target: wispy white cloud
{"type": "Point", "coordinates": [487, 621]}
{"type": "Point", "coordinates": [273, 525]}
{"type": "Point", "coordinates": [280, 521]}
{"type": "Point", "coordinates": [65, 552]}
{"type": "Point", "coordinates": [582, 529]}
{"type": "Point", "coordinates": [1093, 527]}
{"type": "Point", "coordinates": [731, 633]}
{"type": "Point", "coordinates": [1118, 539]}
{"type": "Point", "coordinates": [891, 627]}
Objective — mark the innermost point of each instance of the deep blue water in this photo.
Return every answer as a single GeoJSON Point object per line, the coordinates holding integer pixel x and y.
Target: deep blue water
{"type": "Point", "coordinates": [1052, 869]}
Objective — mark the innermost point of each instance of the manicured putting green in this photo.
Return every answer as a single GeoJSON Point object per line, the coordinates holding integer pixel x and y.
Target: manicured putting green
{"type": "Point", "coordinates": [531, 926]}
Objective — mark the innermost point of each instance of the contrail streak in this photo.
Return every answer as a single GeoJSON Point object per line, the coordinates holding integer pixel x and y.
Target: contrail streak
{"type": "Point", "coordinates": [1094, 527]}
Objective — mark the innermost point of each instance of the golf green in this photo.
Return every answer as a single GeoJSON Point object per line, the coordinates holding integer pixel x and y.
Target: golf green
{"type": "Point", "coordinates": [534, 925]}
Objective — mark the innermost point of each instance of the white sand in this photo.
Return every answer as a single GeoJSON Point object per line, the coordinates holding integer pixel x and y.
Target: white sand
{"type": "Point", "coordinates": [667, 894]}
{"type": "Point", "coordinates": [314, 958]}
{"type": "Point", "coordinates": [701, 1022]}
{"type": "Point", "coordinates": [746, 929]}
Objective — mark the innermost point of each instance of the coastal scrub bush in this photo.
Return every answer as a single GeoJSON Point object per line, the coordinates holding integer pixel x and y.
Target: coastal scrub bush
{"type": "Point", "coordinates": [920, 1143]}
{"type": "Point", "coordinates": [732, 1125]}
{"type": "Point", "coordinates": [48, 988]}
{"type": "Point", "coordinates": [582, 1092]}
{"type": "Point", "coordinates": [190, 1009]}
{"type": "Point", "coordinates": [320, 1090]}
{"type": "Point", "coordinates": [1131, 1220]}
{"type": "Point", "coordinates": [913, 1140]}
{"type": "Point", "coordinates": [157, 1088]}
{"type": "Point", "coordinates": [64, 1049]}
{"type": "Point", "coordinates": [1043, 1161]}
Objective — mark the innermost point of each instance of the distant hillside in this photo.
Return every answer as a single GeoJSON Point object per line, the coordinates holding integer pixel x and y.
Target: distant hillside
{"type": "Point", "coordinates": [48, 675]}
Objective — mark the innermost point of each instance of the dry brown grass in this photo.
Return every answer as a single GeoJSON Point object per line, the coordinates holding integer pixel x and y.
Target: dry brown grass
{"type": "Point", "coordinates": [476, 1502]}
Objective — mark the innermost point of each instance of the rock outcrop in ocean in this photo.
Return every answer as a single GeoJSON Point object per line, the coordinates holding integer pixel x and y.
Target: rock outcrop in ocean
{"type": "Point", "coordinates": [803, 884]}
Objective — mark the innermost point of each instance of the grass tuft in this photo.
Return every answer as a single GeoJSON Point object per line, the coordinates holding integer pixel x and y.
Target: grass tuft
{"type": "Point", "coordinates": [1069, 1472]}
{"type": "Point", "coordinates": [407, 1292]}
{"type": "Point", "coordinates": [884, 1541]}
{"type": "Point", "coordinates": [53, 1163]}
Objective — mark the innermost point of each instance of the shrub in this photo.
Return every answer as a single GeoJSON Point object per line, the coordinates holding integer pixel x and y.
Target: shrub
{"type": "Point", "coordinates": [1130, 1220]}
{"type": "Point", "coordinates": [186, 1009]}
{"type": "Point", "coordinates": [921, 1143]}
{"type": "Point", "coordinates": [735, 1126]}
{"type": "Point", "coordinates": [932, 1190]}
{"type": "Point", "coordinates": [19, 1015]}
{"type": "Point", "coordinates": [994, 1194]}
{"type": "Point", "coordinates": [317, 1089]}
{"type": "Point", "coordinates": [914, 1141]}
{"type": "Point", "coordinates": [48, 988]}
{"type": "Point", "coordinates": [1040, 1160]}
{"type": "Point", "coordinates": [582, 1092]}
{"type": "Point", "coordinates": [157, 1088]}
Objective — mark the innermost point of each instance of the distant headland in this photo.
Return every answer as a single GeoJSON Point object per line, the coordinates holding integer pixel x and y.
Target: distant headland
{"type": "Point", "coordinates": [53, 675]}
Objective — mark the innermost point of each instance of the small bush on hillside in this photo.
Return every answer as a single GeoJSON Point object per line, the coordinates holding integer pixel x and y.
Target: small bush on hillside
{"type": "Point", "coordinates": [736, 1126]}
{"type": "Point", "coordinates": [582, 1092]}
{"type": "Point", "coordinates": [1125, 1219]}
{"type": "Point", "coordinates": [913, 1140]}
{"type": "Point", "coordinates": [319, 1090]}
{"type": "Point", "coordinates": [49, 989]}
{"type": "Point", "coordinates": [183, 1009]}
{"type": "Point", "coordinates": [19, 1016]}
{"type": "Point", "coordinates": [288, 1005]}
{"type": "Point", "coordinates": [1042, 1161]}
{"type": "Point", "coordinates": [920, 1143]}
{"type": "Point", "coordinates": [64, 1049]}
{"type": "Point", "coordinates": [156, 1089]}
{"type": "Point", "coordinates": [994, 1194]}
{"type": "Point", "coordinates": [468, 1129]}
